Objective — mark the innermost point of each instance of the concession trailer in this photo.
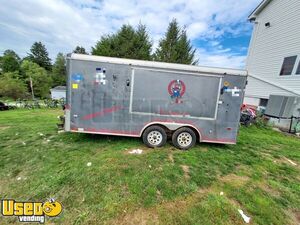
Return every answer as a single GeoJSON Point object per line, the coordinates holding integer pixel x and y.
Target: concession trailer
{"type": "Point", "coordinates": [153, 100]}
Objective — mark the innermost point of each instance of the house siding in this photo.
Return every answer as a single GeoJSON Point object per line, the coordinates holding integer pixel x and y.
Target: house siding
{"type": "Point", "coordinates": [269, 47]}
{"type": "Point", "coordinates": [257, 88]}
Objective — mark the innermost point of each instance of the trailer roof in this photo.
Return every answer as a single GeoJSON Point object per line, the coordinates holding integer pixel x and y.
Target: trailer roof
{"type": "Point", "coordinates": [162, 65]}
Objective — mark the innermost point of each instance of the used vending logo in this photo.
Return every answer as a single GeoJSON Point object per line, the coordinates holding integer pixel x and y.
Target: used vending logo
{"type": "Point", "coordinates": [30, 211]}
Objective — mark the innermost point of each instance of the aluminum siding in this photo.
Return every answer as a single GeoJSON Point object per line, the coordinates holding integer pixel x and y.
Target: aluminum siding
{"type": "Point", "coordinates": [269, 47]}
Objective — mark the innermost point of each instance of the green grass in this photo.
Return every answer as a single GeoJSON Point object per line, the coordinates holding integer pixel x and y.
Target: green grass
{"type": "Point", "coordinates": [152, 188]}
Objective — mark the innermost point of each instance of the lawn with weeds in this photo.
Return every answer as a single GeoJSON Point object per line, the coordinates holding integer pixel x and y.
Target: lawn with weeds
{"type": "Point", "coordinates": [99, 182]}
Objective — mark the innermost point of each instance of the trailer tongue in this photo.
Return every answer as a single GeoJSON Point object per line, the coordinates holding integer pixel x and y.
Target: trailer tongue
{"type": "Point", "coordinates": [153, 100]}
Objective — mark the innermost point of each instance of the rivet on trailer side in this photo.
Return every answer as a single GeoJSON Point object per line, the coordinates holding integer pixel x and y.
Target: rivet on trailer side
{"type": "Point", "coordinates": [153, 100]}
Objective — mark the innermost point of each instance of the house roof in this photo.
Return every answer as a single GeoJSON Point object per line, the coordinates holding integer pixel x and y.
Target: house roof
{"type": "Point", "coordinates": [159, 65]}
{"type": "Point", "coordinates": [58, 88]}
{"type": "Point", "coordinates": [258, 9]}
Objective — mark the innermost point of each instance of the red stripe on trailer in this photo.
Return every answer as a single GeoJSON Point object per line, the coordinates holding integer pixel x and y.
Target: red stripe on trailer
{"type": "Point", "coordinates": [111, 131]}
{"type": "Point", "coordinates": [102, 112]}
{"type": "Point", "coordinates": [221, 141]}
{"type": "Point", "coordinates": [173, 121]}
{"type": "Point", "coordinates": [105, 131]}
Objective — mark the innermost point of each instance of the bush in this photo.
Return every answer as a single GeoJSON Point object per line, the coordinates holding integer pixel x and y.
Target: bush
{"type": "Point", "coordinates": [11, 87]}
{"type": "Point", "coordinates": [262, 122]}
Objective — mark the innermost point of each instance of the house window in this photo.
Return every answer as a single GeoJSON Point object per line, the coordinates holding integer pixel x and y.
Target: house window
{"type": "Point", "coordinates": [298, 69]}
{"type": "Point", "coordinates": [263, 102]}
{"type": "Point", "coordinates": [288, 65]}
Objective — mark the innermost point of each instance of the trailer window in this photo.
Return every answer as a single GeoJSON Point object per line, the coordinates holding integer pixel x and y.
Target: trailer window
{"type": "Point", "coordinates": [288, 65]}
{"type": "Point", "coordinates": [151, 94]}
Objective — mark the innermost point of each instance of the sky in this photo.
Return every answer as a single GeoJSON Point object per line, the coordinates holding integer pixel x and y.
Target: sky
{"type": "Point", "coordinates": [218, 29]}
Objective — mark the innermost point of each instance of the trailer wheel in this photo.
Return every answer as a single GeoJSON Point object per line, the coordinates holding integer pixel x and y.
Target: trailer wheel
{"type": "Point", "coordinates": [154, 136]}
{"type": "Point", "coordinates": [184, 138]}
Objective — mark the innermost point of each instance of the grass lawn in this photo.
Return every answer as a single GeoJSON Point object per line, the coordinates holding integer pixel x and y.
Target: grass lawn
{"type": "Point", "coordinates": [160, 186]}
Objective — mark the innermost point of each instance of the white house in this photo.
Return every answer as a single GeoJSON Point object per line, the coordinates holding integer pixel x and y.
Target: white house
{"type": "Point", "coordinates": [58, 92]}
{"type": "Point", "coordinates": [273, 61]}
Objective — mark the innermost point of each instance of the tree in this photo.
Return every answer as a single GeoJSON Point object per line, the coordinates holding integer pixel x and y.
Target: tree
{"type": "Point", "coordinates": [1, 57]}
{"type": "Point", "coordinates": [105, 47]}
{"type": "Point", "coordinates": [186, 52]}
{"type": "Point", "coordinates": [175, 47]}
{"type": "Point", "coordinates": [41, 82]}
{"type": "Point", "coordinates": [166, 50]}
{"type": "Point", "coordinates": [59, 72]}
{"type": "Point", "coordinates": [143, 45]}
{"type": "Point", "coordinates": [80, 50]}
{"type": "Point", "coordinates": [126, 43]}
{"type": "Point", "coordinates": [39, 55]}
{"type": "Point", "coordinates": [10, 61]}
{"type": "Point", "coordinates": [12, 87]}
{"type": "Point", "coordinates": [12, 53]}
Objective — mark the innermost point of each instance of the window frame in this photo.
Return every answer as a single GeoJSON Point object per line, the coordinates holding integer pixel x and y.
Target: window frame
{"type": "Point", "coordinates": [297, 73]}
{"type": "Point", "coordinates": [283, 66]}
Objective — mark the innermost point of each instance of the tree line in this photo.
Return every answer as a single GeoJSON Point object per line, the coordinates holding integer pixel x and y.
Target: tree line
{"type": "Point", "coordinates": [34, 75]}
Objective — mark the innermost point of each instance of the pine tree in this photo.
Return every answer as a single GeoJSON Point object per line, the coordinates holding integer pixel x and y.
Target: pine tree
{"type": "Point", "coordinates": [126, 43]}
{"type": "Point", "coordinates": [185, 51]}
{"type": "Point", "coordinates": [175, 47]}
{"type": "Point", "coordinates": [80, 50]}
{"type": "Point", "coordinates": [105, 47]}
{"type": "Point", "coordinates": [123, 42]}
{"type": "Point", "coordinates": [39, 55]}
{"type": "Point", "coordinates": [167, 49]}
{"type": "Point", "coordinates": [142, 44]}
{"type": "Point", "coordinates": [59, 72]}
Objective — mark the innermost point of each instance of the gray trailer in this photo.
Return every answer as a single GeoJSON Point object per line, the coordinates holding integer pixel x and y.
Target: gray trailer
{"type": "Point", "coordinates": [153, 100]}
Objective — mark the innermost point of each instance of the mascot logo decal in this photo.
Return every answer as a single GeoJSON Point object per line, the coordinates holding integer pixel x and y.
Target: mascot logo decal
{"type": "Point", "coordinates": [176, 89]}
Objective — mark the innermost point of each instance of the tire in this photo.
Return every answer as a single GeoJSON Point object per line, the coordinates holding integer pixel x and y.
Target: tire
{"type": "Point", "coordinates": [154, 137]}
{"type": "Point", "coordinates": [184, 138]}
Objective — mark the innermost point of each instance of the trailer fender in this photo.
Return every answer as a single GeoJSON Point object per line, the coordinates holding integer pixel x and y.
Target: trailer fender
{"type": "Point", "coordinates": [173, 126]}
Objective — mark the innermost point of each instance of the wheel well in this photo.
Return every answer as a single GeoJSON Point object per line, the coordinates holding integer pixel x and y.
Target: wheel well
{"type": "Point", "coordinates": [169, 132]}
